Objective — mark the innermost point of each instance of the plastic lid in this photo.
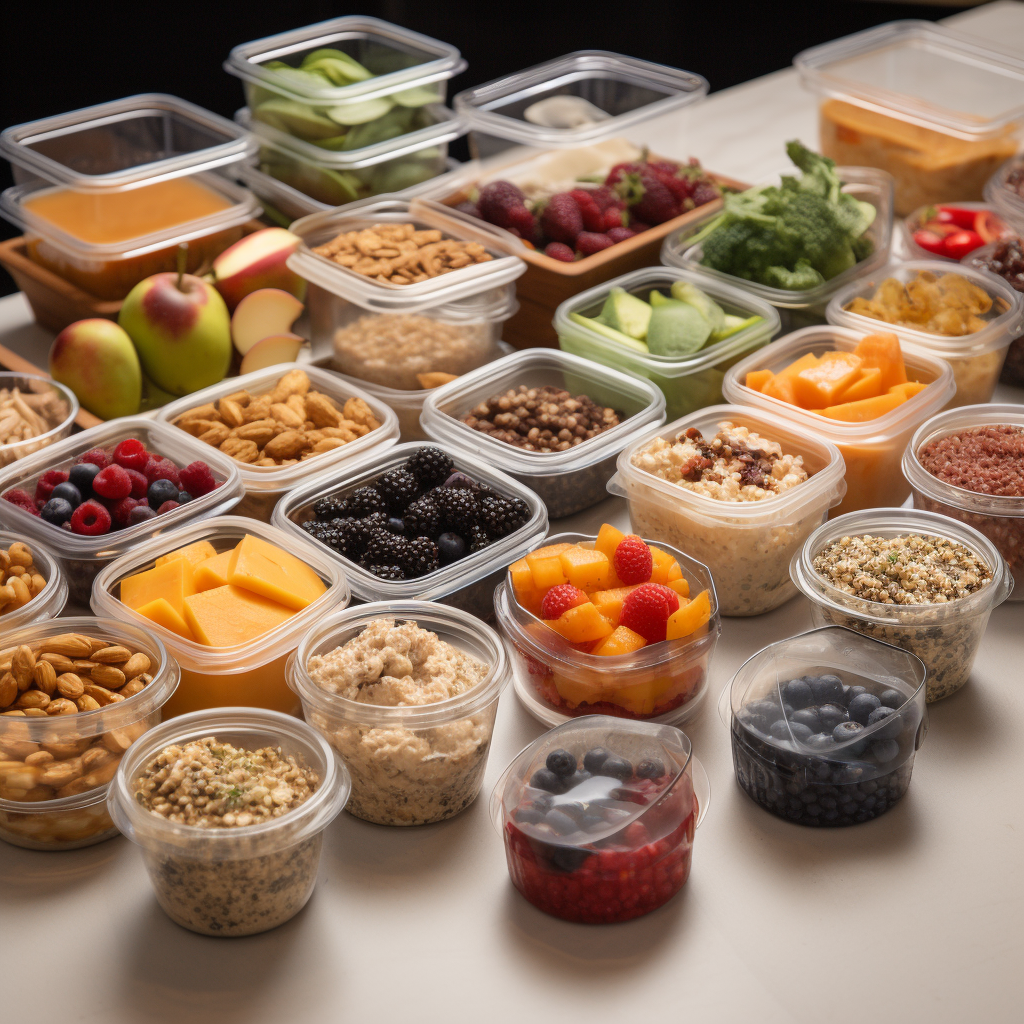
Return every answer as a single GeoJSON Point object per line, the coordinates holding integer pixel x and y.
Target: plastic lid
{"type": "Point", "coordinates": [626, 90]}
{"type": "Point", "coordinates": [125, 143]}
{"type": "Point", "coordinates": [923, 73]}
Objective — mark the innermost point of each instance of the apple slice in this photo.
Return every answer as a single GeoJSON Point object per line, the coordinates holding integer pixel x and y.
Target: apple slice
{"type": "Point", "coordinates": [257, 261]}
{"type": "Point", "coordinates": [261, 314]}
{"type": "Point", "coordinates": [278, 348]}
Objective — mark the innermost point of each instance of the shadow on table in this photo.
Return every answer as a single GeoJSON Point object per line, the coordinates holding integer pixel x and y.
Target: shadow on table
{"type": "Point", "coordinates": [970, 723]}
{"type": "Point", "coordinates": [30, 875]}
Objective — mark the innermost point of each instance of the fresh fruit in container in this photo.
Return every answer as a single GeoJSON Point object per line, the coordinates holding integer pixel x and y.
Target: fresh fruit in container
{"type": "Point", "coordinates": [954, 231]}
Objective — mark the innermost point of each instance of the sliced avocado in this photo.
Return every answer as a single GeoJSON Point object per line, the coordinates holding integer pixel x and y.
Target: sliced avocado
{"type": "Point", "coordinates": [418, 97]}
{"type": "Point", "coordinates": [296, 119]}
{"type": "Point", "coordinates": [337, 71]}
{"type": "Point", "coordinates": [608, 332]}
{"type": "Point", "coordinates": [657, 299]}
{"type": "Point", "coordinates": [713, 312]}
{"type": "Point", "coordinates": [361, 112]}
{"type": "Point", "coordinates": [676, 329]}
{"type": "Point", "coordinates": [733, 325]}
{"type": "Point", "coordinates": [626, 313]}
{"type": "Point", "coordinates": [335, 142]}
{"type": "Point", "coordinates": [353, 70]}
{"type": "Point", "coordinates": [299, 80]}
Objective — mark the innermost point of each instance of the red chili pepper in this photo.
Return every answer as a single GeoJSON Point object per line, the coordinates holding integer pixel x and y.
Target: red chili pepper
{"type": "Point", "coordinates": [931, 242]}
{"type": "Point", "coordinates": [960, 244]}
{"type": "Point", "coordinates": [957, 215]}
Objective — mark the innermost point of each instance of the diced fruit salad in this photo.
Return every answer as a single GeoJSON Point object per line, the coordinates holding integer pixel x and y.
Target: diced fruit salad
{"type": "Point", "coordinates": [679, 324]}
{"type": "Point", "coordinates": [113, 488]}
{"type": "Point", "coordinates": [953, 231]}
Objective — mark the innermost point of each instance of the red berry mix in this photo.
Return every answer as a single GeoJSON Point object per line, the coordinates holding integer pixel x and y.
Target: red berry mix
{"type": "Point", "coordinates": [97, 456]}
{"type": "Point", "coordinates": [112, 482]}
{"type": "Point", "coordinates": [197, 479]}
{"type": "Point", "coordinates": [159, 468]}
{"type": "Point", "coordinates": [632, 561]}
{"type": "Point", "coordinates": [90, 519]}
{"type": "Point", "coordinates": [46, 483]}
{"type": "Point", "coordinates": [140, 485]}
{"type": "Point", "coordinates": [560, 599]}
{"type": "Point", "coordinates": [646, 611]}
{"type": "Point", "coordinates": [22, 499]}
{"type": "Point", "coordinates": [131, 454]}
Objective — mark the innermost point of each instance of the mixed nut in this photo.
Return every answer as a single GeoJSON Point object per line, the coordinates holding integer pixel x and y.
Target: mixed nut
{"type": "Point", "coordinates": [24, 415]}
{"type": "Point", "coordinates": [20, 580]}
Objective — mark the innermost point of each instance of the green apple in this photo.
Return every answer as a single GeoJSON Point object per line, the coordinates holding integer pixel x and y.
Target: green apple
{"type": "Point", "coordinates": [96, 359]}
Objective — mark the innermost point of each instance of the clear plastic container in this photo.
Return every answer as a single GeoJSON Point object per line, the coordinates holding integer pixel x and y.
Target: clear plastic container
{"type": "Point", "coordinates": [569, 481]}
{"type": "Point", "coordinates": [871, 450]}
{"type": "Point", "coordinates": [785, 704]}
{"type": "Point", "coordinates": [999, 517]}
{"type": "Point", "coordinates": [81, 557]}
{"type": "Point", "coordinates": [610, 94]}
{"type": "Point", "coordinates": [797, 308]}
{"type": "Point", "coordinates": [664, 682]}
{"type": "Point", "coordinates": [946, 636]}
{"type": "Point", "coordinates": [1005, 198]}
{"type": "Point", "coordinates": [59, 411]}
{"type": "Point", "coordinates": [982, 259]}
{"type": "Point", "coordinates": [688, 383]}
{"type": "Point", "coordinates": [466, 584]}
{"type": "Point", "coordinates": [597, 847]}
{"type": "Point", "coordinates": [50, 601]}
{"type": "Point", "coordinates": [264, 485]}
{"type": "Point", "coordinates": [411, 764]}
{"type": "Point", "coordinates": [937, 109]}
{"type": "Point", "coordinates": [747, 546]}
{"type": "Point", "coordinates": [976, 359]}
{"type": "Point", "coordinates": [55, 769]}
{"type": "Point", "coordinates": [250, 674]}
{"type": "Point", "coordinates": [241, 880]}
{"type": "Point", "coordinates": [996, 225]}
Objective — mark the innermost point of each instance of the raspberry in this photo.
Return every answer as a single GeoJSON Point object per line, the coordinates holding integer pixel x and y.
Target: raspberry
{"type": "Point", "coordinates": [140, 485]}
{"type": "Point", "coordinates": [558, 251]}
{"type": "Point", "coordinates": [46, 483]}
{"type": "Point", "coordinates": [131, 454]}
{"type": "Point", "coordinates": [90, 519]}
{"type": "Point", "coordinates": [112, 482]}
{"type": "Point", "coordinates": [632, 560]}
{"type": "Point", "coordinates": [97, 456]}
{"type": "Point", "coordinates": [167, 506]}
{"type": "Point", "coordinates": [561, 220]}
{"type": "Point", "coordinates": [620, 234]}
{"type": "Point", "coordinates": [588, 242]}
{"type": "Point", "coordinates": [159, 468]}
{"type": "Point", "coordinates": [22, 499]}
{"type": "Point", "coordinates": [590, 210]}
{"type": "Point", "coordinates": [560, 599]}
{"type": "Point", "coordinates": [646, 610]}
{"type": "Point", "coordinates": [122, 510]}
{"type": "Point", "coordinates": [197, 479]}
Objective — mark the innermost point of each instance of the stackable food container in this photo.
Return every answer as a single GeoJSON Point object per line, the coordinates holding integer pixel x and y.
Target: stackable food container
{"type": "Point", "coordinates": [807, 745]}
{"type": "Point", "coordinates": [568, 481]}
{"type": "Point", "coordinates": [1004, 198]}
{"type": "Point", "coordinates": [466, 584]}
{"type": "Point", "coordinates": [688, 382]}
{"type": "Point", "coordinates": [999, 517]}
{"type": "Point", "coordinates": [252, 673]}
{"type": "Point", "coordinates": [976, 359]}
{"type": "Point", "coordinates": [55, 770]}
{"type": "Point", "coordinates": [50, 601]}
{"type": "Point", "coordinates": [1013, 365]}
{"type": "Point", "coordinates": [608, 836]}
{"type": "Point", "coordinates": [806, 306]}
{"type": "Point", "coordinates": [747, 546]}
{"type": "Point", "coordinates": [81, 557]}
{"type": "Point", "coordinates": [937, 109]}
{"type": "Point", "coordinates": [410, 763]}
{"type": "Point", "coordinates": [946, 636]}
{"type": "Point", "coordinates": [30, 383]}
{"type": "Point", "coordinates": [245, 879]}
{"type": "Point", "coordinates": [111, 149]}
{"type": "Point", "coordinates": [264, 485]}
{"type": "Point", "coordinates": [871, 450]}
{"type": "Point", "coordinates": [664, 682]}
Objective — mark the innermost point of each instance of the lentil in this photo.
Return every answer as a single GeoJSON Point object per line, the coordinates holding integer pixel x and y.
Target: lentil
{"type": "Point", "coordinates": [988, 460]}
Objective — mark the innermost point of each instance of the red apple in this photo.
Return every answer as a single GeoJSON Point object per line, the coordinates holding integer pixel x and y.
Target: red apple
{"type": "Point", "coordinates": [263, 313]}
{"type": "Point", "coordinates": [258, 261]}
{"type": "Point", "coordinates": [96, 359]}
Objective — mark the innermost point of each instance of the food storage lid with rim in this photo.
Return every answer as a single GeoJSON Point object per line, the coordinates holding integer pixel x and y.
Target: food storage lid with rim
{"type": "Point", "coordinates": [642, 403]}
{"type": "Point", "coordinates": [865, 183]}
{"type": "Point", "coordinates": [609, 93]}
{"type": "Point", "coordinates": [381, 297]}
{"type": "Point", "coordinates": [248, 728]}
{"type": "Point", "coordinates": [734, 300]}
{"type": "Point", "coordinates": [50, 601]}
{"type": "Point", "coordinates": [160, 439]}
{"type": "Point", "coordinates": [294, 508]}
{"type": "Point", "coordinates": [787, 349]}
{"type": "Point", "coordinates": [824, 487]}
{"type": "Point", "coordinates": [38, 384]}
{"type": "Point", "coordinates": [336, 387]}
{"type": "Point", "coordinates": [115, 146]}
{"type": "Point", "coordinates": [1008, 202]}
{"type": "Point", "coordinates": [953, 421]}
{"type": "Point", "coordinates": [1003, 321]}
{"type": "Point", "coordinates": [223, 532]}
{"type": "Point", "coordinates": [927, 74]}
{"type": "Point", "coordinates": [398, 59]}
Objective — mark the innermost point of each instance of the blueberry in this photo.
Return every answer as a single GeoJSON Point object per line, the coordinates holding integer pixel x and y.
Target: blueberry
{"type": "Point", "coordinates": [82, 476]}
{"type": "Point", "coordinates": [57, 511]}
{"type": "Point", "coordinates": [779, 729]}
{"type": "Point", "coordinates": [450, 548]}
{"type": "Point", "coordinates": [396, 525]}
{"type": "Point", "coordinates": [885, 750]}
{"type": "Point", "coordinates": [761, 713]}
{"type": "Point", "coordinates": [560, 821]}
{"type": "Point", "coordinates": [846, 731]}
{"type": "Point", "coordinates": [543, 802]}
{"type": "Point", "coordinates": [819, 741]}
{"type": "Point", "coordinates": [849, 692]}
{"type": "Point", "coordinates": [807, 717]}
{"type": "Point", "coordinates": [547, 780]}
{"type": "Point", "coordinates": [183, 498]}
{"type": "Point", "coordinates": [830, 715]}
{"type": "Point", "coordinates": [69, 492]}
{"type": "Point", "coordinates": [528, 816]}
{"type": "Point", "coordinates": [892, 699]}
{"type": "Point", "coordinates": [593, 759]}
{"type": "Point", "coordinates": [892, 729]}
{"type": "Point", "coordinates": [575, 779]}
{"type": "Point", "coordinates": [616, 767]}
{"type": "Point", "coordinates": [827, 689]}
{"type": "Point", "coordinates": [650, 768]}
{"type": "Point", "coordinates": [161, 491]}
{"type": "Point", "coordinates": [567, 858]}
{"type": "Point", "coordinates": [562, 763]}
{"type": "Point", "coordinates": [797, 693]}
{"type": "Point", "coordinates": [592, 823]}
{"type": "Point", "coordinates": [861, 707]}
{"type": "Point", "coordinates": [140, 514]}
{"type": "Point", "coordinates": [801, 733]}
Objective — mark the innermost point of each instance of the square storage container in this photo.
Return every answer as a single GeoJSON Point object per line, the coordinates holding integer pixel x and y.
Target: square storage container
{"type": "Point", "coordinates": [568, 481]}
{"type": "Point", "coordinates": [1003, 192]}
{"type": "Point", "coordinates": [52, 403]}
{"type": "Point", "coordinates": [50, 601]}
{"type": "Point", "coordinates": [1002, 259]}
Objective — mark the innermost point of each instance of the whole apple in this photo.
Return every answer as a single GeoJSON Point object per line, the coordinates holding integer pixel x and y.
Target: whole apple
{"type": "Point", "coordinates": [96, 359]}
{"type": "Point", "coordinates": [258, 261]}
{"type": "Point", "coordinates": [181, 330]}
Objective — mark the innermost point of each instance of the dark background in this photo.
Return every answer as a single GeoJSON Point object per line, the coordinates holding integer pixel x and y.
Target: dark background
{"type": "Point", "coordinates": [72, 55]}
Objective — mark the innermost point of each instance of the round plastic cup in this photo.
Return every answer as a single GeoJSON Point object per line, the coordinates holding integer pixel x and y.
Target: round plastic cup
{"type": "Point", "coordinates": [871, 450]}
{"type": "Point", "coordinates": [569, 481]}
{"type": "Point", "coordinates": [945, 637]}
{"type": "Point", "coordinates": [999, 517]}
{"type": "Point", "coordinates": [1004, 198]}
{"type": "Point", "coordinates": [603, 848]}
{"type": "Point", "coordinates": [410, 764]}
{"type": "Point", "coordinates": [1013, 366]}
{"type": "Point", "coordinates": [50, 601]}
{"type": "Point", "coordinates": [264, 485]}
{"type": "Point", "coordinates": [65, 806]}
{"type": "Point", "coordinates": [811, 778]}
{"type": "Point", "coordinates": [664, 683]}
{"type": "Point", "coordinates": [65, 410]}
{"type": "Point", "coordinates": [232, 881]}
{"type": "Point", "coordinates": [252, 673]}
{"type": "Point", "coordinates": [747, 546]}
{"type": "Point", "coordinates": [976, 359]}
{"type": "Point", "coordinates": [922, 215]}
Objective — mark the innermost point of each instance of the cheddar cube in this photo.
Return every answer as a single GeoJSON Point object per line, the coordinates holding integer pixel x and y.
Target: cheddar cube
{"type": "Point", "coordinates": [586, 568]}
{"type": "Point", "coordinates": [194, 553]}
{"type": "Point", "coordinates": [213, 572]}
{"type": "Point", "coordinates": [689, 617]}
{"type": "Point", "coordinates": [621, 641]}
{"type": "Point", "coordinates": [161, 612]}
{"type": "Point", "coordinates": [608, 539]}
{"type": "Point", "coordinates": [545, 566]}
{"type": "Point", "coordinates": [172, 581]}
{"type": "Point", "coordinates": [263, 568]}
{"type": "Point", "coordinates": [226, 616]}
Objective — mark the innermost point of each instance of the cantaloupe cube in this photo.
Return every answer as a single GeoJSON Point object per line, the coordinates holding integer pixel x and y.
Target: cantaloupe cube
{"type": "Point", "coordinates": [867, 385]}
{"type": "Point", "coordinates": [756, 379]}
{"type": "Point", "coordinates": [883, 350]}
{"type": "Point", "coordinates": [263, 568]}
{"type": "Point", "coordinates": [195, 553]}
{"type": "Point", "coordinates": [586, 568]}
{"type": "Point", "coordinates": [817, 386]}
{"type": "Point", "coordinates": [581, 624]}
{"type": "Point", "coordinates": [866, 409]}
{"type": "Point", "coordinates": [689, 617]}
{"type": "Point", "coordinates": [662, 570]}
{"type": "Point", "coordinates": [795, 367]}
{"type": "Point", "coordinates": [172, 581]}
{"type": "Point", "coordinates": [609, 602]}
{"type": "Point", "coordinates": [908, 389]}
{"type": "Point", "coordinates": [781, 388]}
{"type": "Point", "coordinates": [608, 539]}
{"type": "Point", "coordinates": [680, 586]}
{"type": "Point", "coordinates": [161, 612]}
{"type": "Point", "coordinates": [520, 575]}
{"type": "Point", "coordinates": [213, 572]}
{"type": "Point", "coordinates": [226, 616]}
{"type": "Point", "coordinates": [545, 566]}
{"type": "Point", "coordinates": [621, 641]}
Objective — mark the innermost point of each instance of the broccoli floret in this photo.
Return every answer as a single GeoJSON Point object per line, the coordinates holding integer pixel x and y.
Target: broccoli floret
{"type": "Point", "coordinates": [802, 277]}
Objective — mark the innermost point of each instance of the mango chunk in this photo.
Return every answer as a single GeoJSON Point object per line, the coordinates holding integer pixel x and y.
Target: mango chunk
{"type": "Point", "coordinates": [781, 388]}
{"type": "Point", "coordinates": [883, 351]}
{"type": "Point", "coordinates": [867, 385]}
{"type": "Point", "coordinates": [172, 581]}
{"type": "Point", "coordinates": [226, 616]}
{"type": "Point", "coordinates": [194, 553]}
{"type": "Point", "coordinates": [581, 624]}
{"type": "Point", "coordinates": [586, 568]}
{"type": "Point", "coordinates": [263, 568]}
{"type": "Point", "coordinates": [608, 539]}
{"type": "Point", "coordinates": [817, 386]}
{"type": "Point", "coordinates": [213, 572]}
{"type": "Point", "coordinates": [546, 567]}
{"type": "Point", "coordinates": [519, 573]}
{"type": "Point", "coordinates": [161, 612]}
{"type": "Point", "coordinates": [866, 409]}
{"type": "Point", "coordinates": [689, 617]}
{"type": "Point", "coordinates": [609, 602]}
{"type": "Point", "coordinates": [805, 362]}
{"type": "Point", "coordinates": [621, 641]}
{"type": "Point", "coordinates": [662, 570]}
{"type": "Point", "coordinates": [680, 586]}
{"type": "Point", "coordinates": [756, 379]}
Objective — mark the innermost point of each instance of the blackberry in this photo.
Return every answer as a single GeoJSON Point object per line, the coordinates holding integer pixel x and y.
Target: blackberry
{"type": "Point", "coordinates": [500, 516]}
{"type": "Point", "coordinates": [387, 572]}
{"type": "Point", "coordinates": [421, 557]}
{"type": "Point", "coordinates": [423, 518]}
{"type": "Point", "coordinates": [478, 539]}
{"type": "Point", "coordinates": [313, 527]}
{"type": "Point", "coordinates": [386, 548]}
{"type": "Point", "coordinates": [398, 487]}
{"type": "Point", "coordinates": [459, 508]}
{"type": "Point", "coordinates": [326, 509]}
{"type": "Point", "coordinates": [430, 466]}
{"type": "Point", "coordinates": [365, 501]}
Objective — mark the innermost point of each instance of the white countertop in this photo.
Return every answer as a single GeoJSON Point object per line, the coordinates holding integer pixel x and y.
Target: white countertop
{"type": "Point", "coordinates": [912, 917]}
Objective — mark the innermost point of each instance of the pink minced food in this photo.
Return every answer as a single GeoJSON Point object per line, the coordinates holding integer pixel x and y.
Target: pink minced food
{"type": "Point", "coordinates": [987, 460]}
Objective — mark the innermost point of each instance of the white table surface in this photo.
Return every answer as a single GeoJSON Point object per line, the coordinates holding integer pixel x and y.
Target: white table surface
{"type": "Point", "coordinates": [915, 916]}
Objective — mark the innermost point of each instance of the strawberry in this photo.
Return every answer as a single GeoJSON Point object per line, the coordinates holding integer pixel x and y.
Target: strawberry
{"type": "Point", "coordinates": [620, 171]}
{"type": "Point", "coordinates": [522, 222]}
{"type": "Point", "coordinates": [605, 198]}
{"type": "Point", "coordinates": [646, 611]}
{"type": "Point", "coordinates": [561, 220]}
{"type": "Point", "coordinates": [589, 242]}
{"type": "Point", "coordinates": [560, 251]}
{"type": "Point", "coordinates": [632, 560]}
{"type": "Point", "coordinates": [593, 218]}
{"type": "Point", "coordinates": [705, 192]}
{"type": "Point", "coordinates": [560, 599]}
{"type": "Point", "coordinates": [497, 199]}
{"type": "Point", "coordinates": [620, 234]}
{"type": "Point", "coordinates": [650, 200]}
{"type": "Point", "coordinates": [613, 217]}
